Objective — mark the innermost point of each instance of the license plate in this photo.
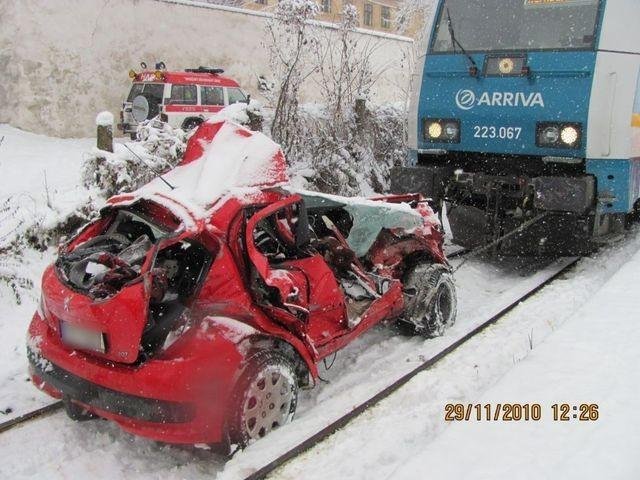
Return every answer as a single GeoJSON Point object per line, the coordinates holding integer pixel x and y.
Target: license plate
{"type": "Point", "coordinates": [83, 338]}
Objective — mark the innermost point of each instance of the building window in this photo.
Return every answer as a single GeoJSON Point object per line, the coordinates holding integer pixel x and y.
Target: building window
{"type": "Point", "coordinates": [368, 14]}
{"type": "Point", "coordinates": [325, 6]}
{"type": "Point", "coordinates": [261, 2]}
{"type": "Point", "coordinates": [385, 17]}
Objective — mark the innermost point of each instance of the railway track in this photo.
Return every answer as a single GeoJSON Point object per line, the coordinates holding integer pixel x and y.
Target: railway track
{"type": "Point", "coordinates": [341, 422]}
{"type": "Point", "coordinates": [25, 417]}
{"type": "Point", "coordinates": [325, 432]}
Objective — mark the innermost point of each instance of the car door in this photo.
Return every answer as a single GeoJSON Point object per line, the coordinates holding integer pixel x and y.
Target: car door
{"type": "Point", "coordinates": [306, 288]}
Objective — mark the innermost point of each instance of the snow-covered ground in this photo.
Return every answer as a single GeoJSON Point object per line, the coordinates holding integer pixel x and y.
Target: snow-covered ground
{"type": "Point", "coordinates": [374, 445]}
{"type": "Point", "coordinates": [36, 171]}
{"type": "Point", "coordinates": [592, 359]}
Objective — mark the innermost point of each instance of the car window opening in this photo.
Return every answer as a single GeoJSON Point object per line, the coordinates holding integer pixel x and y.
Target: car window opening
{"type": "Point", "coordinates": [177, 273]}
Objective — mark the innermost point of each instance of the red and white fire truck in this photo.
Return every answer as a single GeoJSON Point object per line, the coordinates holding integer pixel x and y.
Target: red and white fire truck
{"type": "Point", "coordinates": [184, 99]}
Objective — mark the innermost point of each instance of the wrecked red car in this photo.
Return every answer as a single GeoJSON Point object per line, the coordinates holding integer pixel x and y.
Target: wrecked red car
{"type": "Point", "coordinates": [194, 308]}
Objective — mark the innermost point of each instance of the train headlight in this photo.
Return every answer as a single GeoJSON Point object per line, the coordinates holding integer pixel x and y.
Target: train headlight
{"type": "Point", "coordinates": [550, 135]}
{"type": "Point", "coordinates": [442, 130]}
{"type": "Point", "coordinates": [558, 135]}
{"type": "Point", "coordinates": [569, 135]}
{"type": "Point", "coordinates": [434, 130]}
{"type": "Point", "coordinates": [451, 130]}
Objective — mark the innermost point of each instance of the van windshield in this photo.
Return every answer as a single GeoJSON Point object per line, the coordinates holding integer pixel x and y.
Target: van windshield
{"type": "Point", "coordinates": [516, 25]}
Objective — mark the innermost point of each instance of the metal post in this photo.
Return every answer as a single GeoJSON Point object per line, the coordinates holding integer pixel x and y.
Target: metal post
{"type": "Point", "coordinates": [104, 123]}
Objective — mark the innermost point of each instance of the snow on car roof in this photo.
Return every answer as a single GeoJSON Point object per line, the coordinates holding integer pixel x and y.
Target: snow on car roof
{"type": "Point", "coordinates": [369, 216]}
{"type": "Point", "coordinates": [222, 159]}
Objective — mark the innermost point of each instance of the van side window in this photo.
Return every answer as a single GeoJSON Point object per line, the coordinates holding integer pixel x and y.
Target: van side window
{"type": "Point", "coordinates": [235, 95]}
{"type": "Point", "coordinates": [212, 95]}
{"type": "Point", "coordinates": [183, 95]}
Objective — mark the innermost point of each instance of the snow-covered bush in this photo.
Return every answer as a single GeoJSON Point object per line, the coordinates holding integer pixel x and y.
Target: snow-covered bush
{"type": "Point", "coordinates": [133, 164]}
{"type": "Point", "coordinates": [356, 163]}
{"type": "Point", "coordinates": [15, 221]}
{"type": "Point", "coordinates": [342, 147]}
{"type": "Point", "coordinates": [251, 114]}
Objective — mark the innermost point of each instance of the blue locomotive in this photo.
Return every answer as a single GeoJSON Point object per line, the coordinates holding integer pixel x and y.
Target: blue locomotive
{"type": "Point", "coordinates": [525, 122]}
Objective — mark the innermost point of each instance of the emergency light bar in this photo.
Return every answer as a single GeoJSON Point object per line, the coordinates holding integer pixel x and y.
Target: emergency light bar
{"type": "Point", "coordinates": [211, 70]}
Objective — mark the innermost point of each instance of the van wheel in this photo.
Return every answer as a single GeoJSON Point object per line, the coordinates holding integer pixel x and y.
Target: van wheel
{"type": "Point", "coordinates": [430, 300]}
{"type": "Point", "coordinates": [264, 399]}
{"type": "Point", "coordinates": [190, 124]}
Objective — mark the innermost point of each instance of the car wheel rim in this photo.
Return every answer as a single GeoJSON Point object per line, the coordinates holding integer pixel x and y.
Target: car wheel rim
{"type": "Point", "coordinates": [267, 404]}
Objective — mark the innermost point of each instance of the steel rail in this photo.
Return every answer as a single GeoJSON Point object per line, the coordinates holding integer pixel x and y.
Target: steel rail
{"type": "Point", "coordinates": [25, 417]}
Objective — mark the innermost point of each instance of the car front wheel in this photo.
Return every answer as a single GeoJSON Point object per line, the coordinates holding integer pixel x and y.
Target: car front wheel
{"type": "Point", "coordinates": [430, 300]}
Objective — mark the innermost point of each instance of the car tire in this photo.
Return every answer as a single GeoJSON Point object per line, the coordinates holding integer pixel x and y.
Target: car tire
{"type": "Point", "coordinates": [191, 123]}
{"type": "Point", "coordinates": [430, 300]}
{"type": "Point", "coordinates": [133, 136]}
{"type": "Point", "coordinates": [265, 398]}
{"type": "Point", "coordinates": [76, 412]}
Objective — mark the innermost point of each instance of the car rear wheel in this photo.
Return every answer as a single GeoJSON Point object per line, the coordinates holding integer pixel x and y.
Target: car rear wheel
{"type": "Point", "coordinates": [430, 300]}
{"type": "Point", "coordinates": [265, 398]}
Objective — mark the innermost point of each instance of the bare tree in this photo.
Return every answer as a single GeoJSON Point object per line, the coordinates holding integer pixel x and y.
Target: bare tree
{"type": "Point", "coordinates": [290, 41]}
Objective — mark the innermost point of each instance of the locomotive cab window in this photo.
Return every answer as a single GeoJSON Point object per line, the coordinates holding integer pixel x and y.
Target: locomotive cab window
{"type": "Point", "coordinates": [516, 25]}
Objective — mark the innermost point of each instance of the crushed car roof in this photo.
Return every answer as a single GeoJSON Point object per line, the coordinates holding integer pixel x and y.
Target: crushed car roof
{"type": "Point", "coordinates": [222, 159]}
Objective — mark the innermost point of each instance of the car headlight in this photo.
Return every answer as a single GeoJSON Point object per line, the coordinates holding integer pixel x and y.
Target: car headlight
{"type": "Point", "coordinates": [558, 135]}
{"type": "Point", "coordinates": [442, 130]}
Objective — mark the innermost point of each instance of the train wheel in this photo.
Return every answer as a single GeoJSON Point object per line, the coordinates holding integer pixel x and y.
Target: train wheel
{"type": "Point", "coordinates": [265, 398]}
{"type": "Point", "coordinates": [430, 300]}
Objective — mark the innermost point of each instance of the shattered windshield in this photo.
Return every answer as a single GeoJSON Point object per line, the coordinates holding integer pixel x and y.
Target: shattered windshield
{"type": "Point", "coordinates": [502, 25]}
{"type": "Point", "coordinates": [368, 217]}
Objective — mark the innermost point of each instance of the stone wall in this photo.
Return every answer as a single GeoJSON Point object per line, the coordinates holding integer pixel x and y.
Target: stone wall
{"type": "Point", "coordinates": [62, 61]}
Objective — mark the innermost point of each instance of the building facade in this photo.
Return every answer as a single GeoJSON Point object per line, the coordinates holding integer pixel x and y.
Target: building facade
{"type": "Point", "coordinates": [378, 15]}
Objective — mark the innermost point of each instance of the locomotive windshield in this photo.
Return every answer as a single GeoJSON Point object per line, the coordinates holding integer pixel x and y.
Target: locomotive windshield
{"type": "Point", "coordinates": [508, 25]}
